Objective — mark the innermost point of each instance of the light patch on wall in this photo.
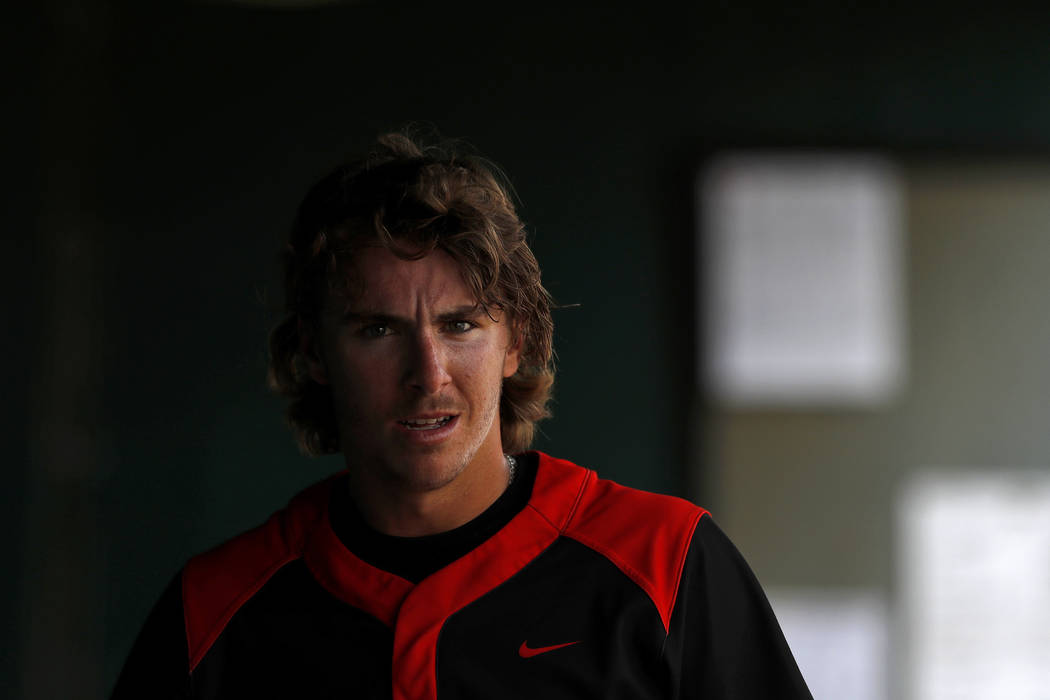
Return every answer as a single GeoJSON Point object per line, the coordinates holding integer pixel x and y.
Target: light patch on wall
{"type": "Point", "coordinates": [839, 638]}
{"type": "Point", "coordinates": [800, 259]}
{"type": "Point", "coordinates": [974, 560]}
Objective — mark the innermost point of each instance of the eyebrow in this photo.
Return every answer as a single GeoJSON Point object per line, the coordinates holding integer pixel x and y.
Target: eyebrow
{"type": "Point", "coordinates": [467, 311]}
{"type": "Point", "coordinates": [471, 311]}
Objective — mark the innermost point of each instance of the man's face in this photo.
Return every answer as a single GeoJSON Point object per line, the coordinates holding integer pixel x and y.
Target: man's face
{"type": "Point", "coordinates": [415, 368]}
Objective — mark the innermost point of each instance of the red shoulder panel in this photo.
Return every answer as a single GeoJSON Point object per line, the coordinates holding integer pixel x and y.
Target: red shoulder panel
{"type": "Point", "coordinates": [559, 486]}
{"type": "Point", "coordinates": [646, 535]}
{"type": "Point", "coordinates": [217, 583]}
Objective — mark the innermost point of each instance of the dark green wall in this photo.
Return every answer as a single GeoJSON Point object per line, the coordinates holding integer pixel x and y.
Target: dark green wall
{"type": "Point", "coordinates": [215, 119]}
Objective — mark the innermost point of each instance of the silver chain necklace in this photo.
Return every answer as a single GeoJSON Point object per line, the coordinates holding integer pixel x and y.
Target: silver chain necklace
{"type": "Point", "coordinates": [512, 465]}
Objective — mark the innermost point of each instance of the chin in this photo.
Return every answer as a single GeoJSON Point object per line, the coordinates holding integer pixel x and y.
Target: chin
{"type": "Point", "coordinates": [432, 473]}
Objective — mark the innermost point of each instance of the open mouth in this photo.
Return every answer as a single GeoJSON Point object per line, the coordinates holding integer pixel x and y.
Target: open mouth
{"type": "Point", "coordinates": [426, 423]}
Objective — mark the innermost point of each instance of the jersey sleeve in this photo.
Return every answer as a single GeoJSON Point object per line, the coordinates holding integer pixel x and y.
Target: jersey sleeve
{"type": "Point", "coordinates": [724, 640]}
{"type": "Point", "coordinates": [158, 666]}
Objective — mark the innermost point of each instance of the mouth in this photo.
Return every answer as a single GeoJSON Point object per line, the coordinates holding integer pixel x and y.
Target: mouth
{"type": "Point", "coordinates": [426, 423]}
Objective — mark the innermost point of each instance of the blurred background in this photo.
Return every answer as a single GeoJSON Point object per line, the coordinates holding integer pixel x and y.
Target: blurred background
{"type": "Point", "coordinates": [807, 242]}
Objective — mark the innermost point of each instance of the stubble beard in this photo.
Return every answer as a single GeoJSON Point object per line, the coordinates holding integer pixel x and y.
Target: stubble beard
{"type": "Point", "coordinates": [428, 480]}
{"type": "Point", "coordinates": [417, 473]}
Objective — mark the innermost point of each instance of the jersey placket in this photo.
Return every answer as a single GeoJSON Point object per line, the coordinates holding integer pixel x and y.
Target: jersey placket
{"type": "Point", "coordinates": [439, 596]}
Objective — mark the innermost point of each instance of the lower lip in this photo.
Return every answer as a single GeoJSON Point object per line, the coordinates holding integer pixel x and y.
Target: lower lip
{"type": "Point", "coordinates": [430, 436]}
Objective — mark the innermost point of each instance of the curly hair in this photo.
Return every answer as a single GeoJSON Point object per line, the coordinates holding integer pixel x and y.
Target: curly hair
{"type": "Point", "coordinates": [412, 199]}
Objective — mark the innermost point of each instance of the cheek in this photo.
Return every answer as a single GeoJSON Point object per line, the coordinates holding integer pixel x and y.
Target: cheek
{"type": "Point", "coordinates": [476, 369]}
{"type": "Point", "coordinates": [361, 379]}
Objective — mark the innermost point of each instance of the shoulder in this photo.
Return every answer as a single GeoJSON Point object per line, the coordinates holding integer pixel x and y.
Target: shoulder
{"type": "Point", "coordinates": [217, 583]}
{"type": "Point", "coordinates": [646, 535]}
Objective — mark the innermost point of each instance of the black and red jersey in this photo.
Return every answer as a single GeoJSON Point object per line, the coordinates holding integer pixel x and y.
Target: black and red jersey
{"type": "Point", "coordinates": [570, 586]}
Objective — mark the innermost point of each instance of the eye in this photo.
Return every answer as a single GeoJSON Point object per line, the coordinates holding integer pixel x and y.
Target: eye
{"type": "Point", "coordinates": [376, 330]}
{"type": "Point", "coordinates": [461, 326]}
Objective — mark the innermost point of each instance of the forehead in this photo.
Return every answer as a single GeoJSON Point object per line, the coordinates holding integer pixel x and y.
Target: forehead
{"type": "Point", "coordinates": [378, 278]}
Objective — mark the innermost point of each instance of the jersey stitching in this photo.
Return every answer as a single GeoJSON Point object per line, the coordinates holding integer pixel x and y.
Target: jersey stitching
{"type": "Point", "coordinates": [680, 565]}
{"type": "Point", "coordinates": [560, 529]}
{"type": "Point", "coordinates": [576, 503]}
{"type": "Point", "coordinates": [543, 515]}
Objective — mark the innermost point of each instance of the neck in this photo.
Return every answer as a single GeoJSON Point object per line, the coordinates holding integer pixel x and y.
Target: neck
{"type": "Point", "coordinates": [392, 508]}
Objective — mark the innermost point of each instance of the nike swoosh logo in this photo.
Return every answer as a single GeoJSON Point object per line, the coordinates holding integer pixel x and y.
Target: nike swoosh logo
{"type": "Point", "coordinates": [525, 652]}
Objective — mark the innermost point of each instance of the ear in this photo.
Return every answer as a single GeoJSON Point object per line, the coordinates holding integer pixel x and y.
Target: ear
{"type": "Point", "coordinates": [512, 359]}
{"type": "Point", "coordinates": [315, 366]}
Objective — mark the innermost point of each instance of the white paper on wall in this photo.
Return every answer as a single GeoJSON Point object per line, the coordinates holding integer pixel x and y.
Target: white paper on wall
{"type": "Point", "coordinates": [974, 561]}
{"type": "Point", "coordinates": [839, 638]}
{"type": "Point", "coordinates": [801, 278]}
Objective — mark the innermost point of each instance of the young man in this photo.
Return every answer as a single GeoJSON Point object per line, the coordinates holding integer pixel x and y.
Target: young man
{"type": "Point", "coordinates": [447, 561]}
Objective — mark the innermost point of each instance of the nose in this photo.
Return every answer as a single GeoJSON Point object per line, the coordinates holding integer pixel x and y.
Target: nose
{"type": "Point", "coordinates": [427, 364]}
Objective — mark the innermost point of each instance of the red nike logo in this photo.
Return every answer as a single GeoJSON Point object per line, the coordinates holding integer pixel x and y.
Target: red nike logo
{"type": "Point", "coordinates": [526, 653]}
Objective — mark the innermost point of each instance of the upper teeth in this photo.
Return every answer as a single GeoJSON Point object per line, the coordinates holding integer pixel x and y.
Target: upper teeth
{"type": "Point", "coordinates": [425, 421]}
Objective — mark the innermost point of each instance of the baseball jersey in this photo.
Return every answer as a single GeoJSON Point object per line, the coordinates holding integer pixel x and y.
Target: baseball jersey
{"type": "Point", "coordinates": [569, 586]}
